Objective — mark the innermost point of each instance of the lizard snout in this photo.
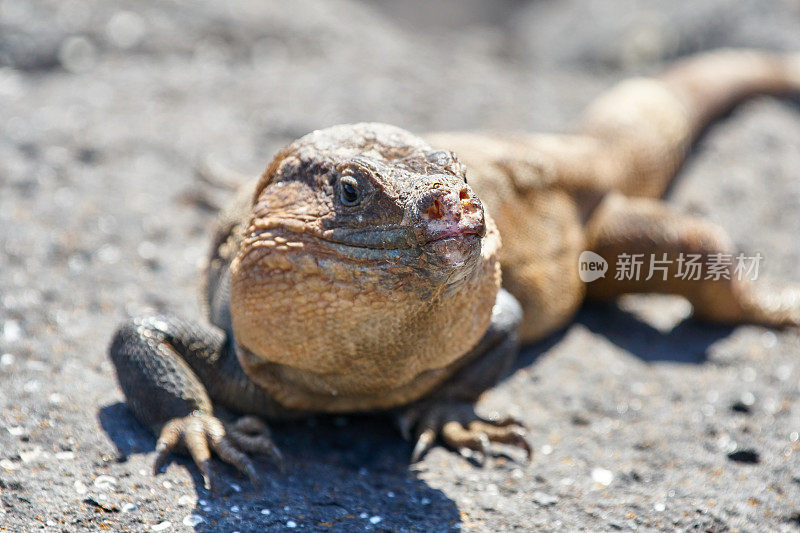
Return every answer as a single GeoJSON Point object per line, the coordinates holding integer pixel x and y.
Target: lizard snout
{"type": "Point", "coordinates": [447, 212]}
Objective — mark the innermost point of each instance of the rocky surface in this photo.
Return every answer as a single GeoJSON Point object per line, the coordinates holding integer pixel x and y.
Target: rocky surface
{"type": "Point", "coordinates": [122, 122]}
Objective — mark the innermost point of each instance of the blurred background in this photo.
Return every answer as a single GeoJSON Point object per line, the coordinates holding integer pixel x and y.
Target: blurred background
{"type": "Point", "coordinates": [124, 125]}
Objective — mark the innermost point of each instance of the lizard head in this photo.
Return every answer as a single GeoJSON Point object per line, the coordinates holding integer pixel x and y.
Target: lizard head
{"type": "Point", "coordinates": [367, 261]}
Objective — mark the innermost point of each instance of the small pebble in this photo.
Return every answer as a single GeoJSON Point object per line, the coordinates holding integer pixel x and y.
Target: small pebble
{"type": "Point", "coordinates": [266, 512]}
{"type": "Point", "coordinates": [147, 250]}
{"type": "Point", "coordinates": [740, 407]}
{"type": "Point", "coordinates": [125, 29]}
{"type": "Point", "coordinates": [65, 456]}
{"type": "Point", "coordinates": [16, 430]}
{"type": "Point", "coordinates": [7, 359]}
{"type": "Point", "coordinates": [363, 515]}
{"type": "Point", "coordinates": [291, 524]}
{"type": "Point", "coordinates": [105, 482]}
{"type": "Point", "coordinates": [745, 456]}
{"type": "Point", "coordinates": [236, 487]}
{"type": "Point", "coordinates": [375, 519]}
{"type": "Point", "coordinates": [783, 372]}
{"type": "Point", "coordinates": [166, 485]}
{"type": "Point", "coordinates": [186, 500]}
{"type": "Point", "coordinates": [8, 464]}
{"type": "Point", "coordinates": [192, 520]}
{"type": "Point", "coordinates": [547, 449]}
{"type": "Point", "coordinates": [108, 253]}
{"type": "Point", "coordinates": [36, 366]}
{"type": "Point", "coordinates": [80, 487]}
{"type": "Point", "coordinates": [234, 508]}
{"type": "Point", "coordinates": [726, 443]}
{"type": "Point", "coordinates": [425, 501]}
{"type": "Point", "coordinates": [56, 398]}
{"type": "Point", "coordinates": [602, 476]}
{"type": "Point", "coordinates": [542, 498]}
{"type": "Point", "coordinates": [161, 526]}
{"type": "Point", "coordinates": [390, 494]}
{"type": "Point", "coordinates": [12, 331]}
{"type": "Point", "coordinates": [659, 507]}
{"type": "Point", "coordinates": [128, 507]}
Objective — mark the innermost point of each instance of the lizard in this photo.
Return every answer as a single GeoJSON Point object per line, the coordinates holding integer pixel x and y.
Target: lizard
{"type": "Point", "coordinates": [364, 271]}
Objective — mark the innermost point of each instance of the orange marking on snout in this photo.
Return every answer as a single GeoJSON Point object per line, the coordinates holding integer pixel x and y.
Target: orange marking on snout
{"type": "Point", "coordinates": [436, 211]}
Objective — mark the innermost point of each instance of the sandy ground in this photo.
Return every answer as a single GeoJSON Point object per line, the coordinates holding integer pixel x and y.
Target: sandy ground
{"type": "Point", "coordinates": [111, 111]}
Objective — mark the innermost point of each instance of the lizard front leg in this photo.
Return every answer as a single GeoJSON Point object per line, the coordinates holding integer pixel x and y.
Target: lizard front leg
{"type": "Point", "coordinates": [161, 363]}
{"type": "Point", "coordinates": [449, 413]}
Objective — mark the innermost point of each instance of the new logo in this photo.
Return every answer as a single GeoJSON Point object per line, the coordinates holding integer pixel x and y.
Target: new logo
{"type": "Point", "coordinates": [591, 266]}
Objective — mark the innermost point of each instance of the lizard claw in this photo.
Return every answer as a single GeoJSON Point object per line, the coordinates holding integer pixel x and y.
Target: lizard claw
{"type": "Point", "coordinates": [200, 433]}
{"type": "Point", "coordinates": [460, 428]}
{"type": "Point", "coordinates": [252, 435]}
{"type": "Point", "coordinates": [424, 443]}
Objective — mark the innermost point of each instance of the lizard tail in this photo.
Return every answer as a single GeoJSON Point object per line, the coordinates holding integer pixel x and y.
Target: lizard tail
{"type": "Point", "coordinates": [647, 125]}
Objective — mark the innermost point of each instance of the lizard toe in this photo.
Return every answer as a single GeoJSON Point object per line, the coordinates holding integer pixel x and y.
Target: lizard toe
{"type": "Point", "coordinates": [251, 435]}
{"type": "Point", "coordinates": [424, 443]}
{"type": "Point", "coordinates": [228, 452]}
{"type": "Point", "coordinates": [513, 433]}
{"type": "Point", "coordinates": [458, 437]}
{"type": "Point", "coordinates": [168, 440]}
{"type": "Point", "coordinates": [461, 429]}
{"type": "Point", "coordinates": [188, 433]}
{"type": "Point", "coordinates": [202, 433]}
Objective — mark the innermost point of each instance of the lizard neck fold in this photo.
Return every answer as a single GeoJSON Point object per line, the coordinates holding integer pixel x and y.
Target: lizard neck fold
{"type": "Point", "coordinates": [299, 390]}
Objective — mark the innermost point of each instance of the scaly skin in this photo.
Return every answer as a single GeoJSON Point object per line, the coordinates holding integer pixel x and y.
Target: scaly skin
{"type": "Point", "coordinates": [361, 272]}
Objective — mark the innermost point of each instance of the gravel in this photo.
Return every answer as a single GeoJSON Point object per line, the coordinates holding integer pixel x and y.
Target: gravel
{"type": "Point", "coordinates": [112, 114]}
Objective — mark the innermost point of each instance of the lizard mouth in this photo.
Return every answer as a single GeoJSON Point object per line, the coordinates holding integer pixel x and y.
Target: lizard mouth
{"type": "Point", "coordinates": [454, 234]}
{"type": "Point", "coordinates": [400, 238]}
{"type": "Point", "coordinates": [449, 251]}
{"type": "Point", "coordinates": [390, 243]}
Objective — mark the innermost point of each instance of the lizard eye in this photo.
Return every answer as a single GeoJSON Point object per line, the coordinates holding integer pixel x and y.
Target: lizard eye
{"type": "Point", "coordinates": [349, 191]}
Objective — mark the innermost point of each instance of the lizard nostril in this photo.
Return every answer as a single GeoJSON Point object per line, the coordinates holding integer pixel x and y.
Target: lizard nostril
{"type": "Point", "coordinates": [468, 204]}
{"type": "Point", "coordinates": [436, 211]}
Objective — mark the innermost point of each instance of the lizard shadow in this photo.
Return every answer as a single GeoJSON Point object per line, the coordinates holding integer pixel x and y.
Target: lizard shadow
{"type": "Point", "coordinates": [687, 343]}
{"type": "Point", "coordinates": [346, 473]}
{"type": "Point", "coordinates": [342, 474]}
